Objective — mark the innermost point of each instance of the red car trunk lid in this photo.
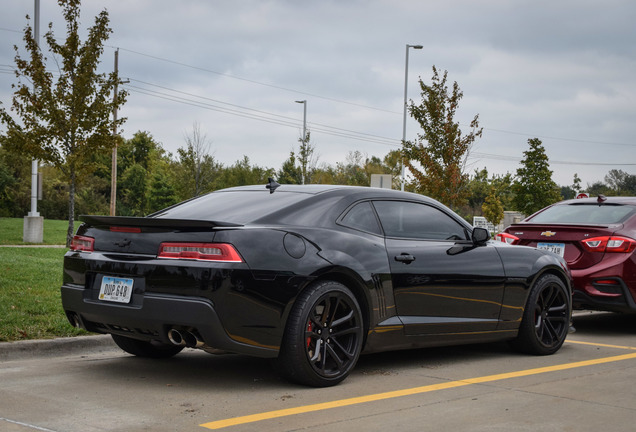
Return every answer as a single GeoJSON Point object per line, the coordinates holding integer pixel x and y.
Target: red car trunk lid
{"type": "Point", "coordinates": [570, 236]}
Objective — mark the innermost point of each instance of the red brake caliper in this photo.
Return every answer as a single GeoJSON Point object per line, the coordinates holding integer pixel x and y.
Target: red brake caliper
{"type": "Point", "coordinates": [309, 328]}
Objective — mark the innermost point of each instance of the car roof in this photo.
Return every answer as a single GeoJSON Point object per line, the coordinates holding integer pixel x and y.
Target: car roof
{"type": "Point", "coordinates": [601, 199]}
{"type": "Point", "coordinates": [286, 204]}
{"type": "Point", "coordinates": [340, 190]}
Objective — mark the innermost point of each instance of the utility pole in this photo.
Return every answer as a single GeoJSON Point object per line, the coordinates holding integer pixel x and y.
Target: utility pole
{"type": "Point", "coordinates": [304, 140]}
{"type": "Point", "coordinates": [113, 172]}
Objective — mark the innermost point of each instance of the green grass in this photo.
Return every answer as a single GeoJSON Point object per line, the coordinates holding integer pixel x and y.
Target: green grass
{"type": "Point", "coordinates": [30, 303]}
{"type": "Point", "coordinates": [11, 231]}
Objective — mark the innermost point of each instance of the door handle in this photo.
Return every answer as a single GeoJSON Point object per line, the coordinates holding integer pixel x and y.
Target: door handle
{"type": "Point", "coordinates": [406, 258]}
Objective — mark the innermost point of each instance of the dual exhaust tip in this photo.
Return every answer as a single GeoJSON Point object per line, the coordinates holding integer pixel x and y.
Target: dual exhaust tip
{"type": "Point", "coordinates": [184, 338]}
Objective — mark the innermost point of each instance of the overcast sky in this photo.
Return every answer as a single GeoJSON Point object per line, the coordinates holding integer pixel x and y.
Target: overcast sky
{"type": "Point", "coordinates": [563, 71]}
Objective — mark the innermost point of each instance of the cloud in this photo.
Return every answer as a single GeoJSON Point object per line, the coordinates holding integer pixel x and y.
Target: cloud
{"type": "Point", "coordinates": [560, 71]}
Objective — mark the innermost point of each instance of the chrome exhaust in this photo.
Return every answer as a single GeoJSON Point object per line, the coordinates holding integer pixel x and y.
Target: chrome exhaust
{"type": "Point", "coordinates": [74, 320]}
{"type": "Point", "coordinates": [176, 337]}
{"type": "Point", "coordinates": [184, 338]}
{"type": "Point", "coordinates": [191, 340]}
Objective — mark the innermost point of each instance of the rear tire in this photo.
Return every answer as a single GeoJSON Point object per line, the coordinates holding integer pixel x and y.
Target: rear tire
{"type": "Point", "coordinates": [323, 337]}
{"type": "Point", "coordinates": [546, 319]}
{"type": "Point", "coordinates": [146, 349]}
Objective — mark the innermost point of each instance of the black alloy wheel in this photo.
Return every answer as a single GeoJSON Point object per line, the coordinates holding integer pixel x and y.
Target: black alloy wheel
{"type": "Point", "coordinates": [546, 320]}
{"type": "Point", "coordinates": [324, 335]}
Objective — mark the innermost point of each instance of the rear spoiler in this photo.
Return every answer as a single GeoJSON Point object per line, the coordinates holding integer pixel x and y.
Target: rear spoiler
{"type": "Point", "coordinates": [148, 222]}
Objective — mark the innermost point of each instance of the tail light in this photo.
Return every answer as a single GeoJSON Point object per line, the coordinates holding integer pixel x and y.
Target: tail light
{"type": "Point", "coordinates": [610, 244]}
{"type": "Point", "coordinates": [81, 243]}
{"type": "Point", "coordinates": [507, 238]}
{"type": "Point", "coordinates": [200, 251]}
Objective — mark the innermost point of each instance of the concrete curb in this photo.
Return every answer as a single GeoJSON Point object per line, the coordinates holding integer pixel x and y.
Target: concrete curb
{"type": "Point", "coordinates": [55, 347]}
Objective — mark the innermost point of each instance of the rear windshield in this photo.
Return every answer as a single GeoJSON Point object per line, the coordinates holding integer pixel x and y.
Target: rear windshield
{"type": "Point", "coordinates": [238, 207]}
{"type": "Point", "coordinates": [585, 214]}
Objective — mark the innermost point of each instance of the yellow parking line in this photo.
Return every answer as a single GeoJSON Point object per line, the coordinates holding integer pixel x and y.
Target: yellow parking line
{"type": "Point", "coordinates": [219, 424]}
{"type": "Point", "coordinates": [600, 344]}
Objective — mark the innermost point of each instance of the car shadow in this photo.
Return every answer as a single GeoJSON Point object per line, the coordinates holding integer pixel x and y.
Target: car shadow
{"type": "Point", "coordinates": [197, 370]}
{"type": "Point", "coordinates": [604, 323]}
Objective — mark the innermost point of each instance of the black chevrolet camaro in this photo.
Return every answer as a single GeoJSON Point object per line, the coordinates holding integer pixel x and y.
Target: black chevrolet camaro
{"type": "Point", "coordinates": [311, 275]}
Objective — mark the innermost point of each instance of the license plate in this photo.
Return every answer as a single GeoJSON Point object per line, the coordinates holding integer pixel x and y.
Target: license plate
{"type": "Point", "coordinates": [116, 289]}
{"type": "Point", "coordinates": [557, 248]}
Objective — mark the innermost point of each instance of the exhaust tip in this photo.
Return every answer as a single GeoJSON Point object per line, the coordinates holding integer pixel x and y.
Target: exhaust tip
{"type": "Point", "coordinates": [175, 337]}
{"type": "Point", "coordinates": [192, 340]}
{"type": "Point", "coordinates": [75, 320]}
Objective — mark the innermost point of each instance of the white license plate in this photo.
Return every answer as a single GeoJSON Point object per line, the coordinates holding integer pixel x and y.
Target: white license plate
{"type": "Point", "coordinates": [116, 289]}
{"type": "Point", "coordinates": [557, 248]}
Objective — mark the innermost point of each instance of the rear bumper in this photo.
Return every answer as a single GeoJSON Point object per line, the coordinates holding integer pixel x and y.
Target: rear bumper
{"type": "Point", "coordinates": [614, 297]}
{"type": "Point", "coordinates": [609, 285]}
{"type": "Point", "coordinates": [152, 318]}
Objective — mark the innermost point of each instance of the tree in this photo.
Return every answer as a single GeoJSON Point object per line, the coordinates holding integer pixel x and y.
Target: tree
{"type": "Point", "coordinates": [503, 189]}
{"type": "Point", "coordinates": [64, 120]}
{"type": "Point", "coordinates": [392, 165]}
{"type": "Point", "coordinates": [306, 157]}
{"type": "Point", "coordinates": [479, 187]}
{"type": "Point", "coordinates": [243, 173]}
{"type": "Point", "coordinates": [200, 167]}
{"type": "Point", "coordinates": [598, 188]}
{"type": "Point", "coordinates": [492, 208]}
{"type": "Point", "coordinates": [533, 186]}
{"type": "Point", "coordinates": [443, 157]}
{"type": "Point", "coordinates": [162, 193]}
{"type": "Point", "coordinates": [132, 187]}
{"type": "Point", "coordinates": [15, 182]}
{"type": "Point", "coordinates": [289, 173]}
{"type": "Point", "coordinates": [567, 192]}
{"type": "Point", "coordinates": [621, 182]}
{"type": "Point", "coordinates": [576, 183]}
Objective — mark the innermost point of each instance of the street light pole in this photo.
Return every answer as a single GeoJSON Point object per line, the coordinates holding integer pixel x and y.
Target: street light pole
{"type": "Point", "coordinates": [33, 227]}
{"type": "Point", "coordinates": [406, 82]}
{"type": "Point", "coordinates": [304, 102]}
{"type": "Point", "coordinates": [34, 162]}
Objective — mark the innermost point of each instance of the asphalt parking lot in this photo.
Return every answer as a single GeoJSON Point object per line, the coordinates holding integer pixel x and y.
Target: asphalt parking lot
{"type": "Point", "coordinates": [587, 386]}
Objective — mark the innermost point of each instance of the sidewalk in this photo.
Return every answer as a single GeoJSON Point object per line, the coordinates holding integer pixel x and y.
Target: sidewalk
{"type": "Point", "coordinates": [55, 347]}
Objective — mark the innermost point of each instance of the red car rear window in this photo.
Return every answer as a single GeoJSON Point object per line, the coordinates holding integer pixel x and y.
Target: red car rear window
{"type": "Point", "coordinates": [585, 214]}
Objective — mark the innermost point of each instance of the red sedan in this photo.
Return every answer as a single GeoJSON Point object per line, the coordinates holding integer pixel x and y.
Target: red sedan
{"type": "Point", "coordinates": [597, 238]}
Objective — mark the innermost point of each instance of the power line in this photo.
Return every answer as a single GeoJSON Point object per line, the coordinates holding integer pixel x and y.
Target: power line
{"type": "Point", "coordinates": [391, 141]}
{"type": "Point", "coordinates": [254, 114]}
{"type": "Point", "coordinates": [10, 30]}
{"type": "Point", "coordinates": [254, 81]}
{"type": "Point", "coordinates": [476, 155]}
{"type": "Point", "coordinates": [558, 138]}
{"type": "Point", "coordinates": [356, 104]}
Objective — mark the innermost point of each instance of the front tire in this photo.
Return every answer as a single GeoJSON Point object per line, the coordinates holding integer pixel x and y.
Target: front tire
{"type": "Point", "coordinates": [146, 349]}
{"type": "Point", "coordinates": [323, 337]}
{"type": "Point", "coordinates": [546, 319]}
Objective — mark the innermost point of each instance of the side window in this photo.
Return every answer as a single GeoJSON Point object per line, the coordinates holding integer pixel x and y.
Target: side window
{"type": "Point", "coordinates": [420, 221]}
{"type": "Point", "coordinates": [362, 217]}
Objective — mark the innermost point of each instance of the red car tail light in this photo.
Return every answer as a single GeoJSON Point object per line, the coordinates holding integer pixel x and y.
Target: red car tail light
{"type": "Point", "coordinates": [200, 252]}
{"type": "Point", "coordinates": [507, 238]}
{"type": "Point", "coordinates": [81, 243]}
{"type": "Point", "coordinates": [610, 244]}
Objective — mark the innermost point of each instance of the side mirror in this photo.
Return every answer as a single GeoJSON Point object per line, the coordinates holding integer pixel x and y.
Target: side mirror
{"type": "Point", "coordinates": [480, 236]}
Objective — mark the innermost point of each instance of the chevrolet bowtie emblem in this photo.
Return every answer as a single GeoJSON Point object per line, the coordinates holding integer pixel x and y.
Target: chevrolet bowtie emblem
{"type": "Point", "coordinates": [548, 233]}
{"type": "Point", "coordinates": [123, 243]}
